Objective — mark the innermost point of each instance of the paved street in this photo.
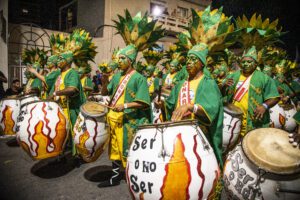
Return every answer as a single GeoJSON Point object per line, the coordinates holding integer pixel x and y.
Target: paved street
{"type": "Point", "coordinates": [23, 178]}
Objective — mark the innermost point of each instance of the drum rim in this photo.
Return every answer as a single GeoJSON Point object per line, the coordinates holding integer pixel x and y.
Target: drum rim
{"type": "Point", "coordinates": [27, 96]}
{"type": "Point", "coordinates": [10, 98]}
{"type": "Point", "coordinates": [37, 101]}
{"type": "Point", "coordinates": [260, 167]}
{"type": "Point", "coordinates": [239, 115]}
{"type": "Point", "coordinates": [168, 124]}
{"type": "Point", "coordinates": [82, 111]}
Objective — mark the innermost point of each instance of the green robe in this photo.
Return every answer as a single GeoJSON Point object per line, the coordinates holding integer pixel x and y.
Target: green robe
{"type": "Point", "coordinates": [180, 75]}
{"type": "Point", "coordinates": [50, 79]}
{"type": "Point", "coordinates": [209, 97]}
{"type": "Point", "coordinates": [261, 88]}
{"type": "Point", "coordinates": [297, 118]}
{"type": "Point", "coordinates": [136, 91]}
{"type": "Point", "coordinates": [72, 80]}
{"type": "Point", "coordinates": [286, 90]}
{"type": "Point", "coordinates": [36, 84]}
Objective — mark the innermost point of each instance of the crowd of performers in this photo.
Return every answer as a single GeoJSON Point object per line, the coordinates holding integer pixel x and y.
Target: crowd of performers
{"type": "Point", "coordinates": [215, 65]}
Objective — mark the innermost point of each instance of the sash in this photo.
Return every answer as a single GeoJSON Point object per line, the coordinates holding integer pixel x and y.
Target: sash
{"type": "Point", "coordinates": [184, 96]}
{"type": "Point", "coordinates": [121, 88]}
{"type": "Point", "coordinates": [242, 90]}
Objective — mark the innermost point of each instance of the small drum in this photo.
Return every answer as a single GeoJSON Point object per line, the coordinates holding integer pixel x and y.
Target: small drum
{"type": "Point", "coordinates": [90, 134]}
{"type": "Point", "coordinates": [171, 161]}
{"type": "Point", "coordinates": [10, 108]}
{"type": "Point", "coordinates": [42, 129]}
{"type": "Point", "coordinates": [231, 126]}
{"type": "Point", "coordinates": [290, 123]}
{"type": "Point", "coordinates": [264, 166]}
{"type": "Point", "coordinates": [277, 116]}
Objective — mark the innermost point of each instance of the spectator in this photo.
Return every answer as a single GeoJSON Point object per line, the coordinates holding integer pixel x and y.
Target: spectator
{"type": "Point", "coordinates": [15, 88]}
{"type": "Point", "coordinates": [3, 79]}
{"type": "Point", "coordinates": [95, 83]}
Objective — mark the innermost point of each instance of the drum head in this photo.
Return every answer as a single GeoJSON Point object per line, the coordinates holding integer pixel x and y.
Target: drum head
{"type": "Point", "coordinates": [269, 149]}
{"type": "Point", "coordinates": [233, 110]}
{"type": "Point", "coordinates": [93, 109]}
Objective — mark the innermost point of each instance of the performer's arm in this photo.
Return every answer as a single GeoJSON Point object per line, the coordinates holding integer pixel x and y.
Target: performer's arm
{"type": "Point", "coordinates": [39, 76]}
{"type": "Point", "coordinates": [261, 109]}
{"type": "Point", "coordinates": [179, 113]}
{"type": "Point", "coordinates": [104, 81]}
{"type": "Point", "coordinates": [132, 105]}
{"type": "Point", "coordinates": [69, 91]}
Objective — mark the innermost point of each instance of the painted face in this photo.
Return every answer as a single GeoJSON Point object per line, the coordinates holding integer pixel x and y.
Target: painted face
{"type": "Point", "coordinates": [149, 71]}
{"type": "Point", "coordinates": [193, 65]}
{"type": "Point", "coordinates": [124, 62]}
{"type": "Point", "coordinates": [62, 62]}
{"type": "Point", "coordinates": [174, 66]}
{"type": "Point", "coordinates": [248, 65]}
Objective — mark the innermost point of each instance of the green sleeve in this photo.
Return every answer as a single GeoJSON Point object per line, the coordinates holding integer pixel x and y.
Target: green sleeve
{"type": "Point", "coordinates": [142, 92]}
{"type": "Point", "coordinates": [296, 86]}
{"type": "Point", "coordinates": [50, 79]}
{"type": "Point", "coordinates": [270, 89]}
{"type": "Point", "coordinates": [89, 83]}
{"type": "Point", "coordinates": [72, 80]}
{"type": "Point", "coordinates": [171, 101]}
{"type": "Point", "coordinates": [297, 117]}
{"type": "Point", "coordinates": [36, 84]}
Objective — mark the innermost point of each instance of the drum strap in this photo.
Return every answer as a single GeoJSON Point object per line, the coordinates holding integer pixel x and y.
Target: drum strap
{"type": "Point", "coordinates": [121, 88]}
{"type": "Point", "coordinates": [242, 90]}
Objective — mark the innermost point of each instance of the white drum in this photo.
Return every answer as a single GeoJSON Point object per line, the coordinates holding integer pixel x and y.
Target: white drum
{"type": "Point", "coordinates": [9, 112]}
{"type": "Point", "coordinates": [264, 166]}
{"type": "Point", "coordinates": [42, 129]}
{"type": "Point", "coordinates": [277, 117]}
{"type": "Point", "coordinates": [90, 133]}
{"type": "Point", "coordinates": [171, 161]}
{"type": "Point", "coordinates": [290, 123]}
{"type": "Point", "coordinates": [232, 123]}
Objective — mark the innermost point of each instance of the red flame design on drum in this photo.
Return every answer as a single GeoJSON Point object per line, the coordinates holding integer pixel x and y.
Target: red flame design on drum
{"type": "Point", "coordinates": [231, 135]}
{"type": "Point", "coordinates": [28, 131]}
{"type": "Point", "coordinates": [178, 176]}
{"type": "Point", "coordinates": [281, 119]}
{"type": "Point", "coordinates": [200, 194]}
{"type": "Point", "coordinates": [50, 140]}
{"type": "Point", "coordinates": [8, 121]}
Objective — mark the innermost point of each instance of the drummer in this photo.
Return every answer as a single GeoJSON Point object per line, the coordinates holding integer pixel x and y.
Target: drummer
{"type": "Point", "coordinates": [198, 98]}
{"type": "Point", "coordinates": [252, 91]}
{"type": "Point", "coordinates": [33, 85]}
{"type": "Point", "coordinates": [49, 79]}
{"type": "Point", "coordinates": [67, 90]}
{"type": "Point", "coordinates": [86, 82]}
{"type": "Point", "coordinates": [130, 108]}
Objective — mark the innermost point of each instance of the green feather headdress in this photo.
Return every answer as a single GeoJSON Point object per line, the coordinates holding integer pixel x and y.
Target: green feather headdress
{"type": "Point", "coordinates": [257, 32]}
{"type": "Point", "coordinates": [81, 45]}
{"type": "Point", "coordinates": [211, 28]}
{"type": "Point", "coordinates": [139, 30]}
{"type": "Point", "coordinates": [34, 56]}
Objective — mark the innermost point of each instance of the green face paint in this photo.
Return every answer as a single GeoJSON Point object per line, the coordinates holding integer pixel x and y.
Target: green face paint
{"type": "Point", "coordinates": [248, 65]}
{"type": "Point", "coordinates": [194, 65]}
{"type": "Point", "coordinates": [124, 62]}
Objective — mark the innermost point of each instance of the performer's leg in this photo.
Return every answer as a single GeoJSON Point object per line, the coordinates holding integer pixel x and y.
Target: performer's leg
{"type": "Point", "coordinates": [116, 176]}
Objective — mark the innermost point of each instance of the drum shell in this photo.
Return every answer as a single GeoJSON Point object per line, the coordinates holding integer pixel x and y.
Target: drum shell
{"type": "Point", "coordinates": [290, 123]}
{"type": "Point", "coordinates": [90, 136]}
{"type": "Point", "coordinates": [231, 130]}
{"type": "Point", "coordinates": [189, 168]}
{"type": "Point", "coordinates": [42, 129]}
{"type": "Point", "coordinates": [240, 175]}
{"type": "Point", "coordinates": [27, 99]}
{"type": "Point", "coordinates": [277, 117]}
{"type": "Point", "coordinates": [10, 109]}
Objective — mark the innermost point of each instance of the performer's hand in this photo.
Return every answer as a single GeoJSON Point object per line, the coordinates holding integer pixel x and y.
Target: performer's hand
{"type": "Point", "coordinates": [295, 139]}
{"type": "Point", "coordinates": [158, 104]}
{"type": "Point", "coordinates": [119, 108]}
{"type": "Point", "coordinates": [259, 112]}
{"type": "Point", "coordinates": [285, 99]}
{"type": "Point", "coordinates": [179, 113]}
{"type": "Point", "coordinates": [31, 69]}
{"type": "Point", "coordinates": [229, 82]}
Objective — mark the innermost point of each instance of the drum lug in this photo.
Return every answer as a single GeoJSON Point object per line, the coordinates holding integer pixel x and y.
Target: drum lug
{"type": "Point", "coordinates": [205, 145]}
{"type": "Point", "coordinates": [163, 153]}
{"type": "Point", "coordinates": [285, 190]}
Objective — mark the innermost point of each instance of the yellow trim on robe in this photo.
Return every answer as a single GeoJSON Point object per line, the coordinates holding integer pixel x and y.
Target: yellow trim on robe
{"type": "Point", "coordinates": [115, 122]}
{"type": "Point", "coordinates": [151, 87]}
{"type": "Point", "coordinates": [243, 104]}
{"type": "Point", "coordinates": [169, 78]}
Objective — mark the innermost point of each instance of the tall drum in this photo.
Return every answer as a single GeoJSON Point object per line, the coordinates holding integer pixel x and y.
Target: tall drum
{"type": "Point", "coordinates": [90, 133]}
{"type": "Point", "coordinates": [290, 123]}
{"type": "Point", "coordinates": [42, 129]}
{"type": "Point", "coordinates": [277, 117]}
{"type": "Point", "coordinates": [264, 166]}
{"type": "Point", "coordinates": [9, 112]}
{"type": "Point", "coordinates": [171, 161]}
{"type": "Point", "coordinates": [231, 126]}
